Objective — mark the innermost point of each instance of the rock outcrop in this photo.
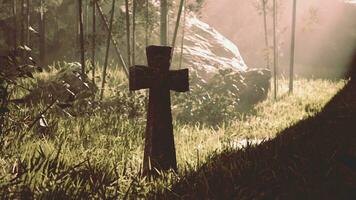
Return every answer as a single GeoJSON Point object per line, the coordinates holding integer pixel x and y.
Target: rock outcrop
{"type": "Point", "coordinates": [66, 86]}
{"type": "Point", "coordinates": [206, 51]}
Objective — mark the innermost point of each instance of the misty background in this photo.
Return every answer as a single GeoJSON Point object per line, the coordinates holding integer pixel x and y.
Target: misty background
{"type": "Point", "coordinates": [325, 33]}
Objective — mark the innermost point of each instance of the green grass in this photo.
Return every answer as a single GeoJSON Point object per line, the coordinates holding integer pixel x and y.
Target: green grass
{"type": "Point", "coordinates": [313, 159]}
{"type": "Point", "coordinates": [100, 156]}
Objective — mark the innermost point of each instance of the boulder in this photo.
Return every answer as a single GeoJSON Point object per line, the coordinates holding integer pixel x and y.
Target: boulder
{"type": "Point", "coordinates": [222, 85]}
{"type": "Point", "coordinates": [209, 55]}
{"type": "Point", "coordinates": [66, 85]}
{"type": "Point", "coordinates": [206, 51]}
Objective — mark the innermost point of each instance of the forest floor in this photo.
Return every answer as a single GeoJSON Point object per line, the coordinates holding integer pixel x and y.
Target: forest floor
{"type": "Point", "coordinates": [313, 159]}
{"type": "Point", "coordinates": [100, 156]}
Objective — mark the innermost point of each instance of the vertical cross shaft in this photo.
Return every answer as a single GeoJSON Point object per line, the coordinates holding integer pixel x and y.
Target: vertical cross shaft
{"type": "Point", "coordinates": [159, 147]}
{"type": "Point", "coordinates": [159, 140]}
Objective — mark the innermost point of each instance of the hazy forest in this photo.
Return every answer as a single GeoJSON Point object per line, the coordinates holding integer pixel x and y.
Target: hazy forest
{"type": "Point", "coordinates": [178, 99]}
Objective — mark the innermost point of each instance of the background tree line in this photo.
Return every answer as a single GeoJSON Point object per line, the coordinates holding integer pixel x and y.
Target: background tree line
{"type": "Point", "coordinates": [51, 28]}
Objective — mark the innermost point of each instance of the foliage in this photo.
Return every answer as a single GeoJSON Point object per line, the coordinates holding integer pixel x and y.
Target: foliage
{"type": "Point", "coordinates": [61, 143]}
{"type": "Point", "coordinates": [224, 97]}
{"type": "Point", "coordinates": [99, 156]}
{"type": "Point", "coordinates": [125, 103]}
{"type": "Point", "coordinates": [209, 102]}
{"type": "Point", "coordinates": [66, 85]}
{"type": "Point", "coordinates": [196, 6]}
{"type": "Point", "coordinates": [14, 67]}
{"type": "Point", "coordinates": [62, 27]}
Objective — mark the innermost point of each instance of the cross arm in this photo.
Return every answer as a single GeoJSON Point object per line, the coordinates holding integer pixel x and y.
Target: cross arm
{"type": "Point", "coordinates": [179, 80]}
{"type": "Point", "coordinates": [141, 77]}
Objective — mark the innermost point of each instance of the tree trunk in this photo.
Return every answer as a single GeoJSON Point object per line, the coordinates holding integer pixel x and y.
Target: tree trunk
{"type": "Point", "coordinates": [28, 23]}
{"type": "Point", "coordinates": [275, 48]}
{"type": "Point", "coordinates": [264, 2]}
{"type": "Point", "coordinates": [42, 40]}
{"type": "Point", "coordinates": [77, 31]}
{"type": "Point", "coordinates": [183, 35]}
{"type": "Point", "coordinates": [291, 69]}
{"type": "Point", "coordinates": [81, 33]}
{"type": "Point", "coordinates": [15, 23]}
{"type": "Point", "coordinates": [128, 38]}
{"type": "Point", "coordinates": [164, 23]}
{"type": "Point", "coordinates": [93, 43]}
{"type": "Point", "coordinates": [117, 50]}
{"type": "Point", "coordinates": [133, 30]}
{"type": "Point", "coordinates": [147, 22]}
{"type": "Point", "coordinates": [85, 20]}
{"type": "Point", "coordinates": [22, 18]}
{"type": "Point", "coordinates": [177, 24]}
{"type": "Point", "coordinates": [107, 50]}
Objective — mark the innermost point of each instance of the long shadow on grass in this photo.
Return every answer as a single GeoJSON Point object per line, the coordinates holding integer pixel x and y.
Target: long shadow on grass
{"type": "Point", "coordinates": [314, 159]}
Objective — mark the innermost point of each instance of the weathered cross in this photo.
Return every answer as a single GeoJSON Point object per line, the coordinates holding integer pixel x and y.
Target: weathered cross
{"type": "Point", "coordinates": [159, 141]}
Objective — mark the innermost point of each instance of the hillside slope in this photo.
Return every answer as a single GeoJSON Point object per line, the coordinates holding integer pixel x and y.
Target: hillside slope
{"type": "Point", "coordinates": [315, 159]}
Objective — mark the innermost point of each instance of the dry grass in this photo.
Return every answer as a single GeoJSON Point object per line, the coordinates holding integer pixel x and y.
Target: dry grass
{"type": "Point", "coordinates": [100, 156]}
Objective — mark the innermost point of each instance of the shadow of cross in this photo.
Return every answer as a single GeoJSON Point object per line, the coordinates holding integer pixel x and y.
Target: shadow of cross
{"type": "Point", "coordinates": [159, 141]}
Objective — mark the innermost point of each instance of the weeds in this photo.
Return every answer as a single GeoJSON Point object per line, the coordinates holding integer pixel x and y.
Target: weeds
{"type": "Point", "coordinates": [99, 154]}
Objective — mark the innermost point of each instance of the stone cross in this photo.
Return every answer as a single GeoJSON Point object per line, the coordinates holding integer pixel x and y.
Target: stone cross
{"type": "Point", "coordinates": [159, 141]}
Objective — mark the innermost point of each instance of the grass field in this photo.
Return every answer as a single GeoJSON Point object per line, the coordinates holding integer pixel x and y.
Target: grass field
{"type": "Point", "coordinates": [100, 156]}
{"type": "Point", "coordinates": [312, 159]}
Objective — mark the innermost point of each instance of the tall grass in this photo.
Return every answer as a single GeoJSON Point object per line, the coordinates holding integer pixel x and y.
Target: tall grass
{"type": "Point", "coordinates": [100, 156]}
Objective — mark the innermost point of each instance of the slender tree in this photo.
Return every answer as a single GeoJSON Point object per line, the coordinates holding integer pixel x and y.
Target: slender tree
{"type": "Point", "coordinates": [22, 21]}
{"type": "Point", "coordinates": [147, 22]}
{"type": "Point", "coordinates": [164, 22]}
{"type": "Point", "coordinates": [28, 23]}
{"type": "Point", "coordinates": [15, 23]}
{"type": "Point", "coordinates": [275, 48]}
{"type": "Point", "coordinates": [183, 35]}
{"type": "Point", "coordinates": [107, 50]}
{"type": "Point", "coordinates": [128, 37]}
{"type": "Point", "coordinates": [42, 40]}
{"type": "Point", "coordinates": [264, 5]}
{"type": "Point", "coordinates": [177, 24]}
{"type": "Point", "coordinates": [81, 33]}
{"type": "Point", "coordinates": [86, 24]}
{"type": "Point", "coordinates": [133, 30]}
{"type": "Point", "coordinates": [168, 25]}
{"type": "Point", "coordinates": [292, 52]}
{"type": "Point", "coordinates": [116, 48]}
{"type": "Point", "coordinates": [93, 41]}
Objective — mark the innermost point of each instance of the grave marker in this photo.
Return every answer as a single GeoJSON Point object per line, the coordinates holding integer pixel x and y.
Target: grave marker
{"type": "Point", "coordinates": [159, 140]}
